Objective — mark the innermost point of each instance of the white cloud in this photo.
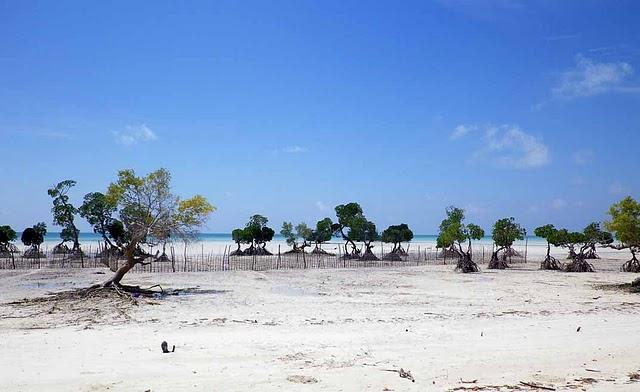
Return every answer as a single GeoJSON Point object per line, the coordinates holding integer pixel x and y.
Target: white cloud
{"type": "Point", "coordinates": [558, 203]}
{"type": "Point", "coordinates": [484, 9]}
{"type": "Point", "coordinates": [561, 37]}
{"type": "Point", "coordinates": [321, 206]}
{"type": "Point", "coordinates": [511, 147]}
{"type": "Point", "coordinates": [461, 130]}
{"type": "Point", "coordinates": [133, 134]}
{"type": "Point", "coordinates": [582, 157]}
{"type": "Point", "coordinates": [590, 78]}
{"type": "Point", "coordinates": [617, 188]}
{"type": "Point", "coordinates": [294, 149]}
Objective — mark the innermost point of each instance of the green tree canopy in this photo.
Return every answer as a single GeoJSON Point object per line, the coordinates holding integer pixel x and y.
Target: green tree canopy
{"type": "Point", "coordinates": [625, 224]}
{"type": "Point", "coordinates": [454, 232]}
{"type": "Point", "coordinates": [64, 212]}
{"type": "Point", "coordinates": [99, 213]}
{"type": "Point", "coordinates": [7, 235]}
{"type": "Point", "coordinates": [548, 232]}
{"type": "Point", "coordinates": [505, 232]}
{"type": "Point", "coordinates": [34, 236]}
{"type": "Point", "coordinates": [147, 208]}
{"type": "Point", "coordinates": [396, 235]}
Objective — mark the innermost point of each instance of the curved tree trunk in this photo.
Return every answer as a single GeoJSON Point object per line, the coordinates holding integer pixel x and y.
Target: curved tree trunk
{"type": "Point", "coordinates": [129, 253]}
{"type": "Point", "coordinates": [549, 262]}
{"type": "Point", "coordinates": [498, 262]}
{"type": "Point", "coordinates": [632, 265]}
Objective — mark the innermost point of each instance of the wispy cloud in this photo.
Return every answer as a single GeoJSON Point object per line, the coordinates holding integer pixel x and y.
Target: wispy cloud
{"type": "Point", "coordinates": [510, 147]}
{"type": "Point", "coordinates": [561, 37]}
{"type": "Point", "coordinates": [617, 188]}
{"type": "Point", "coordinates": [133, 134]}
{"type": "Point", "coordinates": [589, 78]}
{"type": "Point", "coordinates": [583, 157]}
{"type": "Point", "coordinates": [461, 131]}
{"type": "Point", "coordinates": [558, 203]}
{"type": "Point", "coordinates": [322, 206]}
{"type": "Point", "coordinates": [294, 149]}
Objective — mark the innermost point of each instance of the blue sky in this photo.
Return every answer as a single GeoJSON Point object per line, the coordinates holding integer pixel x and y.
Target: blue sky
{"type": "Point", "coordinates": [287, 108]}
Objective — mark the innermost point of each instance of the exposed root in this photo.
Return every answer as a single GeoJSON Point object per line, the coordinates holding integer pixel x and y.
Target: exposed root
{"type": "Point", "coordinates": [632, 265]}
{"type": "Point", "coordinates": [392, 256]}
{"type": "Point", "coordinates": [550, 263]}
{"type": "Point", "coordinates": [497, 263]}
{"type": "Point", "coordinates": [466, 265]}
{"type": "Point", "coordinates": [369, 256]}
{"type": "Point", "coordinates": [318, 251]}
{"type": "Point", "coordinates": [579, 265]}
{"type": "Point", "coordinates": [591, 255]}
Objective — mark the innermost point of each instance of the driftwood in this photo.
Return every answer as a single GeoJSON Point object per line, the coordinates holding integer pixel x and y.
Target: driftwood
{"type": "Point", "coordinates": [402, 373]}
{"type": "Point", "coordinates": [537, 386]}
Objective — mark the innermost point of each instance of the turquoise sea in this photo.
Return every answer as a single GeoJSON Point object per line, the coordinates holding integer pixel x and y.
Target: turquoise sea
{"type": "Point", "coordinates": [226, 238]}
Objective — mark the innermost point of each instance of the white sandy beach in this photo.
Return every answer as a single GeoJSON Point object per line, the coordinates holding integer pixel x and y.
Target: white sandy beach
{"type": "Point", "coordinates": [329, 330]}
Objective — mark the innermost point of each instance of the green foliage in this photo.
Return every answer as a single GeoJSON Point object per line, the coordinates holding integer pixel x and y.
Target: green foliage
{"type": "Point", "coordinates": [117, 232]}
{"type": "Point", "coordinates": [148, 209]}
{"type": "Point", "coordinates": [64, 212]}
{"type": "Point", "coordinates": [240, 236]}
{"type": "Point", "coordinates": [7, 234]}
{"type": "Point", "coordinates": [258, 231]}
{"type": "Point", "coordinates": [595, 235]}
{"type": "Point", "coordinates": [567, 239]}
{"type": "Point", "coordinates": [69, 234]}
{"type": "Point", "coordinates": [625, 222]}
{"type": "Point", "coordinates": [546, 231]}
{"type": "Point", "coordinates": [98, 212]}
{"type": "Point", "coordinates": [288, 233]}
{"type": "Point", "coordinates": [453, 230]}
{"type": "Point", "coordinates": [347, 213]}
{"type": "Point", "coordinates": [34, 236]}
{"type": "Point", "coordinates": [506, 231]}
{"type": "Point", "coordinates": [323, 231]}
{"type": "Point", "coordinates": [363, 230]}
{"type": "Point", "coordinates": [396, 234]}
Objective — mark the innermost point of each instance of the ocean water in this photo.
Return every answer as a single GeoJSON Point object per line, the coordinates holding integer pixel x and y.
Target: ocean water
{"type": "Point", "coordinates": [54, 237]}
{"type": "Point", "coordinates": [217, 242]}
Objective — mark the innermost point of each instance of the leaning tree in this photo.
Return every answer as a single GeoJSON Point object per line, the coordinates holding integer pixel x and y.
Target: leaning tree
{"type": "Point", "coordinates": [396, 235]}
{"type": "Point", "coordinates": [321, 234]}
{"type": "Point", "coordinates": [593, 236]}
{"type": "Point", "coordinates": [7, 236]}
{"type": "Point", "coordinates": [625, 224]}
{"type": "Point", "coordinates": [146, 206]}
{"type": "Point", "coordinates": [453, 233]}
{"type": "Point", "coordinates": [298, 237]}
{"type": "Point", "coordinates": [505, 232]}
{"type": "Point", "coordinates": [64, 215]}
{"type": "Point", "coordinates": [548, 232]}
{"type": "Point", "coordinates": [33, 237]}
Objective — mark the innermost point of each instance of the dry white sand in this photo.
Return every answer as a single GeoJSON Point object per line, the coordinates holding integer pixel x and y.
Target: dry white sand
{"type": "Point", "coordinates": [329, 330]}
